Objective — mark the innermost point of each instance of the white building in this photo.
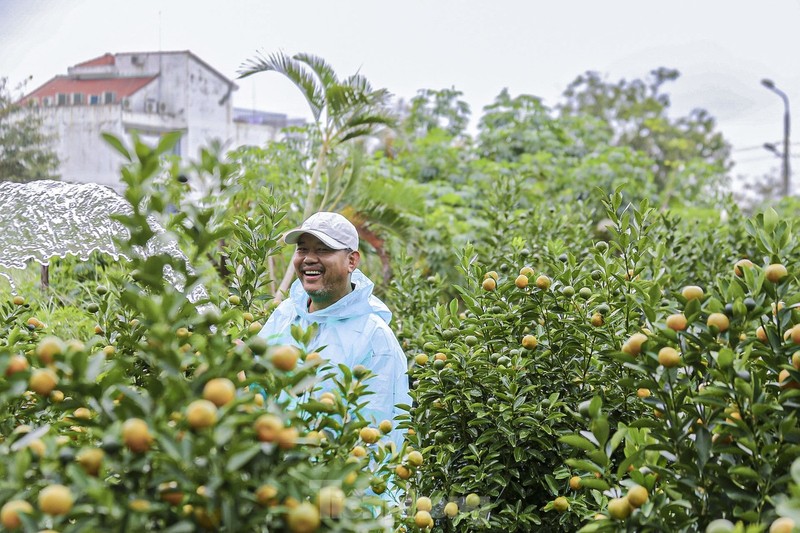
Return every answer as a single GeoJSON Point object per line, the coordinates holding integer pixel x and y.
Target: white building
{"type": "Point", "coordinates": [151, 93]}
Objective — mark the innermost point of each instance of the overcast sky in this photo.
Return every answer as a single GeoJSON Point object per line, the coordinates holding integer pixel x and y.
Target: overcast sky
{"type": "Point", "coordinates": [723, 48]}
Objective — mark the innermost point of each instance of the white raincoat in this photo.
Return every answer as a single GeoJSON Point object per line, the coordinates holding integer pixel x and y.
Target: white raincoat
{"type": "Point", "coordinates": [354, 331]}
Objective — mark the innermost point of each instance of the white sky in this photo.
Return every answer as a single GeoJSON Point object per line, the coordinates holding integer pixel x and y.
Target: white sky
{"type": "Point", "coordinates": [723, 48]}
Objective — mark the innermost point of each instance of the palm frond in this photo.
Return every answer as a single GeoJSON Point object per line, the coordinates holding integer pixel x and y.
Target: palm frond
{"type": "Point", "coordinates": [401, 195]}
{"type": "Point", "coordinates": [376, 118]}
{"type": "Point", "coordinates": [353, 134]}
{"type": "Point", "coordinates": [381, 97]}
{"type": "Point", "coordinates": [341, 99]}
{"type": "Point", "coordinates": [347, 182]}
{"type": "Point", "coordinates": [388, 219]}
{"type": "Point", "coordinates": [362, 125]}
{"type": "Point", "coordinates": [359, 83]}
{"type": "Point", "coordinates": [324, 71]}
{"type": "Point", "coordinates": [292, 69]}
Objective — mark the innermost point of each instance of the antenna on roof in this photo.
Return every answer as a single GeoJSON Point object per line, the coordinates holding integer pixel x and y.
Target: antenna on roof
{"type": "Point", "coordinates": [159, 30]}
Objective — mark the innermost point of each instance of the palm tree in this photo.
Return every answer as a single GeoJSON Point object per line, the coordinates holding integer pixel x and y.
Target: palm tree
{"type": "Point", "coordinates": [344, 111]}
{"type": "Point", "coordinates": [375, 201]}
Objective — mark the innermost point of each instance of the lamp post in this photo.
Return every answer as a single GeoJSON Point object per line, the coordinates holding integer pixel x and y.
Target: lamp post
{"type": "Point", "coordinates": [769, 84]}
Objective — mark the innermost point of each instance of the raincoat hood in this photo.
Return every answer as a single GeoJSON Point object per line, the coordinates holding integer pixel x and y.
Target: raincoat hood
{"type": "Point", "coordinates": [357, 303]}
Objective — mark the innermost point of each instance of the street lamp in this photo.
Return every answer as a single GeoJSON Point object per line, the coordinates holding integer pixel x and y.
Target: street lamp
{"type": "Point", "coordinates": [769, 84]}
{"type": "Point", "coordinates": [770, 147]}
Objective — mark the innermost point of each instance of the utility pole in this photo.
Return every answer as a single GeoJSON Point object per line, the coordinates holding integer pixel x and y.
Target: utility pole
{"type": "Point", "coordinates": [769, 84]}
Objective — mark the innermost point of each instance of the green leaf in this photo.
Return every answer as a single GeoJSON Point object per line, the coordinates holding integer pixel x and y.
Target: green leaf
{"type": "Point", "coordinates": [295, 71]}
{"type": "Point", "coordinates": [600, 429]}
{"type": "Point", "coordinates": [771, 219]}
{"type": "Point", "coordinates": [519, 454]}
{"type": "Point", "coordinates": [795, 470]}
{"type": "Point", "coordinates": [595, 525]}
{"type": "Point", "coordinates": [599, 457]}
{"type": "Point", "coordinates": [223, 433]}
{"type": "Point", "coordinates": [725, 358]}
{"type": "Point", "coordinates": [184, 526]}
{"type": "Point", "coordinates": [594, 409]}
{"type": "Point", "coordinates": [616, 439]}
{"type": "Point", "coordinates": [593, 483]}
{"type": "Point", "coordinates": [168, 141]}
{"type": "Point", "coordinates": [551, 483]}
{"type": "Point", "coordinates": [586, 466]}
{"type": "Point", "coordinates": [238, 460]}
{"type": "Point", "coordinates": [168, 446]}
{"type": "Point", "coordinates": [576, 441]}
{"type": "Point", "coordinates": [30, 437]}
{"type": "Point", "coordinates": [703, 444]}
{"type": "Point", "coordinates": [644, 423]}
{"type": "Point", "coordinates": [144, 403]}
{"type": "Point", "coordinates": [744, 471]}
{"type": "Point", "coordinates": [96, 363]}
{"type": "Point", "coordinates": [117, 145]}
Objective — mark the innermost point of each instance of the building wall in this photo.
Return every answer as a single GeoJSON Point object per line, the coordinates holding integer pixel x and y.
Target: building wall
{"type": "Point", "coordinates": [210, 108]}
{"type": "Point", "coordinates": [83, 154]}
{"type": "Point", "coordinates": [86, 158]}
{"type": "Point", "coordinates": [186, 96]}
{"type": "Point", "coordinates": [167, 91]}
{"type": "Point", "coordinates": [253, 134]}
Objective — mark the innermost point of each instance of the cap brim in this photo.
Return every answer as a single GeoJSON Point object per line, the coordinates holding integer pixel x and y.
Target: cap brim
{"type": "Point", "coordinates": [292, 236]}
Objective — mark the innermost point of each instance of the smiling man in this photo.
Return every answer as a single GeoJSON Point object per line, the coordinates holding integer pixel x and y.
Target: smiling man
{"type": "Point", "coordinates": [353, 323]}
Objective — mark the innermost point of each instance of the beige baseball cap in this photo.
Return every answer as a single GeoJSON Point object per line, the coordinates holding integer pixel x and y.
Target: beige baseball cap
{"type": "Point", "coordinates": [331, 228]}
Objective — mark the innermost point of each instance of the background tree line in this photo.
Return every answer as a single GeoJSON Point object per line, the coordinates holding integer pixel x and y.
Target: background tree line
{"type": "Point", "coordinates": [413, 172]}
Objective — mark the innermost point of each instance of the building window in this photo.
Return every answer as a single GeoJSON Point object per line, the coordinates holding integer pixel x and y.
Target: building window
{"type": "Point", "coordinates": [109, 97]}
{"type": "Point", "coordinates": [61, 99]}
{"type": "Point", "coordinates": [77, 98]}
{"type": "Point", "coordinates": [94, 99]}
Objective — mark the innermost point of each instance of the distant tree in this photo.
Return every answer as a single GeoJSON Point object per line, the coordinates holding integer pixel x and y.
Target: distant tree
{"type": "Point", "coordinates": [687, 151]}
{"type": "Point", "coordinates": [26, 152]}
{"type": "Point", "coordinates": [431, 141]}
{"type": "Point", "coordinates": [431, 109]}
{"type": "Point", "coordinates": [760, 191]}
{"type": "Point", "coordinates": [511, 127]}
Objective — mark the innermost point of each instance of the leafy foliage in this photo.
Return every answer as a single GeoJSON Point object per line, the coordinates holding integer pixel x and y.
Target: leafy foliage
{"type": "Point", "coordinates": [687, 151]}
{"type": "Point", "coordinates": [549, 431]}
{"type": "Point", "coordinates": [25, 149]}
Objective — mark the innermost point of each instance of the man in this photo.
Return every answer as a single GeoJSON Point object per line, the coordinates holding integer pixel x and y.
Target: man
{"type": "Point", "coordinates": [353, 323]}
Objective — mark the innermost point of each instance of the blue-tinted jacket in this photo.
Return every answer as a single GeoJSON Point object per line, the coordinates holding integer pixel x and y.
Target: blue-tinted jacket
{"type": "Point", "coordinates": [354, 331]}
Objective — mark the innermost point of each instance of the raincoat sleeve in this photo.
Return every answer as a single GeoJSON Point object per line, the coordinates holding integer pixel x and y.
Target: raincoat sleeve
{"type": "Point", "coordinates": [389, 383]}
{"type": "Point", "coordinates": [276, 330]}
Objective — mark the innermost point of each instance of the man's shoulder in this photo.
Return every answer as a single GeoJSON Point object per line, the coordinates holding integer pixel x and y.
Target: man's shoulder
{"type": "Point", "coordinates": [380, 333]}
{"type": "Point", "coordinates": [279, 316]}
{"type": "Point", "coordinates": [377, 322]}
{"type": "Point", "coordinates": [285, 308]}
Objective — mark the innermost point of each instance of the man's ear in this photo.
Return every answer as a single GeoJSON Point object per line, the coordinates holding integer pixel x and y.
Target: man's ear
{"type": "Point", "coordinates": [353, 260]}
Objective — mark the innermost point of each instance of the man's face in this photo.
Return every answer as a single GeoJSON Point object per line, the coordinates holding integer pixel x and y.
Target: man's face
{"type": "Point", "coordinates": [324, 273]}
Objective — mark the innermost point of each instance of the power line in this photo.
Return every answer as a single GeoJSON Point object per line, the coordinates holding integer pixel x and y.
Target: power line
{"type": "Point", "coordinates": [748, 148]}
{"type": "Point", "coordinates": [761, 147]}
{"type": "Point", "coordinates": [764, 158]}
